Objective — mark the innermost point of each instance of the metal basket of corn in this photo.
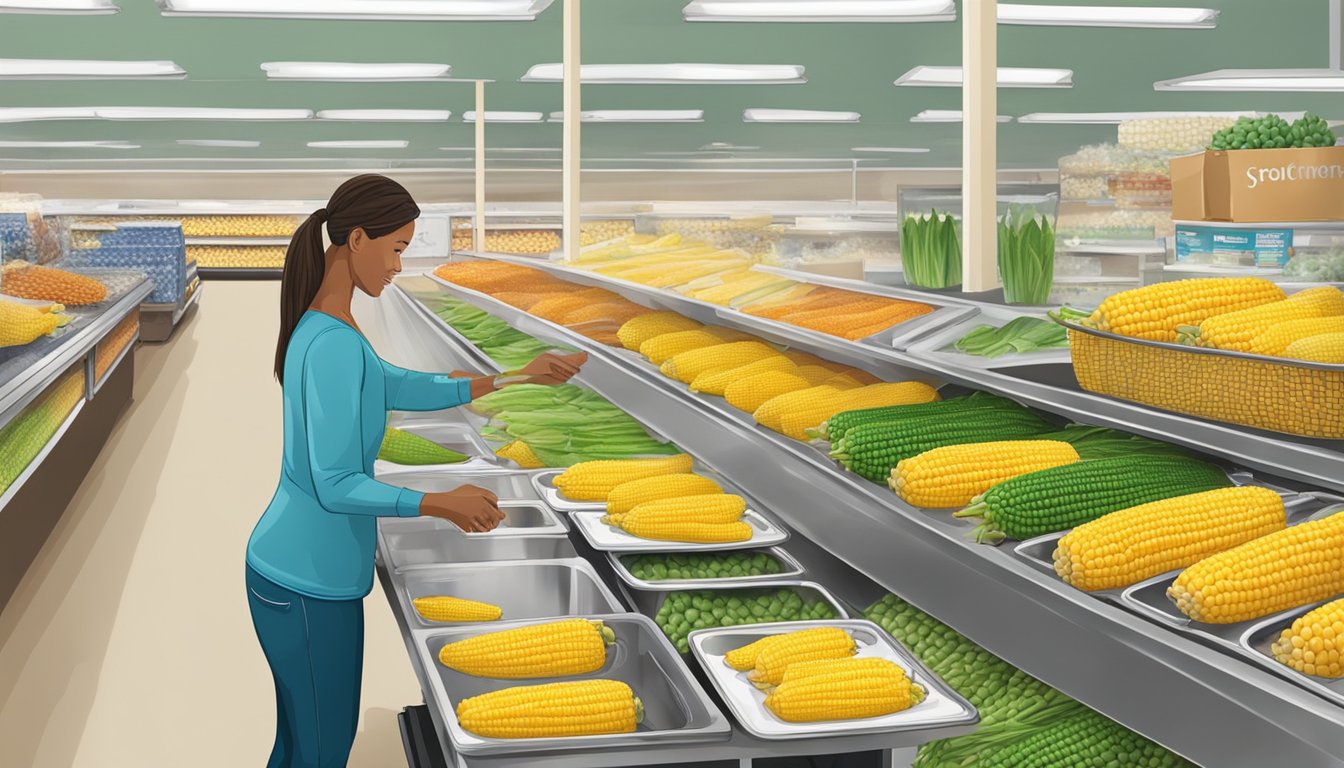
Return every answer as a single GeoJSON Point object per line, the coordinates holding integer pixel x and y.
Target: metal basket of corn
{"type": "Point", "coordinates": [1296, 397]}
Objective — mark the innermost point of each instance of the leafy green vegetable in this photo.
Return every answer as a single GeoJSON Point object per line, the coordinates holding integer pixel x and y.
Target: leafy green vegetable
{"type": "Point", "coordinates": [1018, 336]}
{"type": "Point", "coordinates": [1026, 256]}
{"type": "Point", "coordinates": [1273, 132]}
{"type": "Point", "coordinates": [931, 251]}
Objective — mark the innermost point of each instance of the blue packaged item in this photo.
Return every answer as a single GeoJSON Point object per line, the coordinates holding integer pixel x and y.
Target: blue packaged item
{"type": "Point", "coordinates": [1233, 246]}
{"type": "Point", "coordinates": [156, 248]}
{"type": "Point", "coordinates": [16, 237]}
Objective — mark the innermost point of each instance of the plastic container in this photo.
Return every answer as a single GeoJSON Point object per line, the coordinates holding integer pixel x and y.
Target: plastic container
{"type": "Point", "coordinates": [832, 242]}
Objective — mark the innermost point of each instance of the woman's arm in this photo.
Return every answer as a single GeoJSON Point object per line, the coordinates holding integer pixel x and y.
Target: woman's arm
{"type": "Point", "coordinates": [415, 391]}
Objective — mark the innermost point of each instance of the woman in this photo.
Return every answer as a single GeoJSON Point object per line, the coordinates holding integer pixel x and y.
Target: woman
{"type": "Point", "coordinates": [310, 558]}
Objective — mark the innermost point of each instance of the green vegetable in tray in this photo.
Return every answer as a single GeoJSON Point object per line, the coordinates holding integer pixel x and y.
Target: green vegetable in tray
{"type": "Point", "coordinates": [931, 251]}
{"type": "Point", "coordinates": [1026, 256]}
{"type": "Point", "coordinates": [1273, 132]}
{"type": "Point", "coordinates": [507, 346]}
{"type": "Point", "coordinates": [1018, 336]}
{"type": "Point", "coordinates": [1317, 267]}
{"type": "Point", "coordinates": [702, 565]}
{"type": "Point", "coordinates": [682, 612]}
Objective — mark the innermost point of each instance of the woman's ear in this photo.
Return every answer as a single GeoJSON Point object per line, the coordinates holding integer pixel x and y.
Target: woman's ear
{"type": "Point", "coordinates": [356, 240]}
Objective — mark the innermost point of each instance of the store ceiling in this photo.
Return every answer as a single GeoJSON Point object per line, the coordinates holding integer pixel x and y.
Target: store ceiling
{"type": "Point", "coordinates": [850, 67]}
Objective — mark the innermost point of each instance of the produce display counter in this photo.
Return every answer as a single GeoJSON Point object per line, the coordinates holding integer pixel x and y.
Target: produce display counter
{"type": "Point", "coordinates": [158, 321]}
{"type": "Point", "coordinates": [1168, 685]}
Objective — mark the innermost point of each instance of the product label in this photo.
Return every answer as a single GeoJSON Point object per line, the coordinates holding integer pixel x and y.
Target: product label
{"type": "Point", "coordinates": [1234, 247]}
{"type": "Point", "coordinates": [1257, 175]}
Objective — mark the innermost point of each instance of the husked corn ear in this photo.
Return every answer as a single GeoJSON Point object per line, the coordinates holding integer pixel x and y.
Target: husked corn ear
{"type": "Point", "coordinates": [554, 649]}
{"type": "Point", "coordinates": [1125, 547]}
{"type": "Point", "coordinates": [863, 377]}
{"type": "Point", "coordinates": [595, 480]}
{"type": "Point", "coordinates": [444, 608]}
{"type": "Point", "coordinates": [795, 647]}
{"type": "Point", "coordinates": [520, 453]}
{"type": "Point", "coordinates": [797, 422]}
{"type": "Point", "coordinates": [660, 349]}
{"type": "Point", "coordinates": [666, 529]}
{"type": "Point", "coordinates": [1322, 348]}
{"type": "Point", "coordinates": [802, 358]}
{"type": "Point", "coordinates": [1275, 339]}
{"type": "Point", "coordinates": [21, 324]}
{"type": "Point", "coordinates": [771, 413]}
{"type": "Point", "coordinates": [743, 659]}
{"type": "Point", "coordinates": [842, 689]}
{"type": "Point", "coordinates": [1285, 569]}
{"type": "Point", "coordinates": [640, 329]}
{"type": "Point", "coordinates": [574, 708]}
{"type": "Point", "coordinates": [410, 449]}
{"type": "Point", "coordinates": [627, 496]}
{"type": "Point", "coordinates": [953, 475]}
{"type": "Point", "coordinates": [1235, 330]}
{"type": "Point", "coordinates": [1314, 644]}
{"type": "Point", "coordinates": [687, 365]}
{"type": "Point", "coordinates": [704, 508]}
{"type": "Point", "coordinates": [716, 380]}
{"type": "Point", "coordinates": [815, 374]}
{"type": "Point", "coordinates": [843, 381]}
{"type": "Point", "coordinates": [29, 281]}
{"type": "Point", "coordinates": [1156, 311]}
{"type": "Point", "coordinates": [750, 393]}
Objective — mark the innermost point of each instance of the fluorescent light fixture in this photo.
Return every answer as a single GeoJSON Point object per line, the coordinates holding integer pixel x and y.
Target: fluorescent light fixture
{"type": "Point", "coordinates": [367, 10]}
{"type": "Point", "coordinates": [662, 74]}
{"type": "Point", "coordinates": [1243, 80]}
{"type": "Point", "coordinates": [370, 144]}
{"type": "Point", "coordinates": [353, 72]}
{"type": "Point", "coordinates": [1008, 77]}
{"type": "Point", "coordinates": [636, 116]}
{"type": "Point", "coordinates": [820, 10]}
{"type": "Point", "coordinates": [798, 116]}
{"type": "Point", "coordinates": [231, 143]}
{"type": "Point", "coordinates": [199, 113]}
{"type": "Point", "coordinates": [80, 7]}
{"type": "Point", "coordinates": [724, 146]}
{"type": "Point", "coordinates": [67, 145]}
{"type": "Point", "coordinates": [893, 150]}
{"type": "Point", "coordinates": [386, 115]}
{"type": "Point", "coordinates": [78, 69]}
{"type": "Point", "coordinates": [1113, 118]}
{"type": "Point", "coordinates": [504, 117]}
{"type": "Point", "coordinates": [947, 116]}
{"type": "Point", "coordinates": [32, 114]}
{"type": "Point", "coordinates": [517, 150]}
{"type": "Point", "coordinates": [1107, 16]}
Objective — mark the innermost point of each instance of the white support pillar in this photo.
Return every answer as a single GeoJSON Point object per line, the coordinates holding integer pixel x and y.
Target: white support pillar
{"type": "Point", "coordinates": [570, 146]}
{"type": "Point", "coordinates": [979, 144]}
{"type": "Point", "coordinates": [478, 237]}
{"type": "Point", "coordinates": [1336, 34]}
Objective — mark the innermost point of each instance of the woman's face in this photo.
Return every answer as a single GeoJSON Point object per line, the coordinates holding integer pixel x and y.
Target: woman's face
{"type": "Point", "coordinates": [375, 261]}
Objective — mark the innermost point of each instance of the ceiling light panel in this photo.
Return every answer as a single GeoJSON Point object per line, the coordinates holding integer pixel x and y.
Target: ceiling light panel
{"type": "Point", "coordinates": [1253, 80]}
{"type": "Point", "coordinates": [72, 7]}
{"type": "Point", "coordinates": [821, 10]}
{"type": "Point", "coordinates": [361, 144]}
{"type": "Point", "coordinates": [386, 115]}
{"type": "Point", "coordinates": [67, 145]}
{"type": "Point", "coordinates": [199, 113]}
{"type": "Point", "coordinates": [1008, 77]}
{"type": "Point", "coordinates": [337, 71]}
{"type": "Point", "coordinates": [33, 114]}
{"type": "Point", "coordinates": [80, 69]}
{"type": "Point", "coordinates": [366, 10]}
{"type": "Point", "coordinates": [892, 150]}
{"type": "Point", "coordinates": [636, 116]}
{"type": "Point", "coordinates": [672, 74]}
{"type": "Point", "coordinates": [947, 116]}
{"type": "Point", "coordinates": [224, 143]}
{"type": "Point", "coordinates": [1112, 118]}
{"type": "Point", "coordinates": [798, 116]}
{"type": "Point", "coordinates": [504, 117]}
{"type": "Point", "coordinates": [1107, 16]}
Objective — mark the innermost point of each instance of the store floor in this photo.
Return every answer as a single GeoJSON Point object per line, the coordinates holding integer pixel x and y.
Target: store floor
{"type": "Point", "coordinates": [129, 641]}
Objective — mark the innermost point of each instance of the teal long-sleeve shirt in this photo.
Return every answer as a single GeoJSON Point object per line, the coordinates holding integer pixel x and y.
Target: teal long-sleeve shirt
{"type": "Point", "coordinates": [317, 536]}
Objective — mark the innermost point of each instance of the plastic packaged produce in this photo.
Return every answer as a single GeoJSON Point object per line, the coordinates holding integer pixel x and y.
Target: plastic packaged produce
{"type": "Point", "coordinates": [702, 565]}
{"type": "Point", "coordinates": [24, 437]}
{"type": "Point", "coordinates": [29, 281]}
{"type": "Point", "coordinates": [240, 225]}
{"type": "Point", "coordinates": [113, 343]}
{"type": "Point", "coordinates": [1171, 134]}
{"type": "Point", "coordinates": [237, 256]}
{"type": "Point", "coordinates": [22, 324]}
{"type": "Point", "coordinates": [682, 612]}
{"type": "Point", "coordinates": [1115, 224]}
{"type": "Point", "coordinates": [1325, 267]}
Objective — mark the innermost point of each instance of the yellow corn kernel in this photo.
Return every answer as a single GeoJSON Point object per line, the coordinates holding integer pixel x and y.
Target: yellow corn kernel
{"type": "Point", "coordinates": [660, 349]}
{"type": "Point", "coordinates": [1275, 339]}
{"type": "Point", "coordinates": [595, 480]}
{"type": "Point", "coordinates": [1314, 644]}
{"type": "Point", "coordinates": [796, 647]}
{"type": "Point", "coordinates": [842, 689]}
{"type": "Point", "coordinates": [640, 329]}
{"type": "Point", "coordinates": [664, 529]}
{"type": "Point", "coordinates": [520, 453]}
{"type": "Point", "coordinates": [1285, 569]}
{"type": "Point", "coordinates": [750, 393]}
{"type": "Point", "coordinates": [796, 422]}
{"type": "Point", "coordinates": [1155, 311]}
{"type": "Point", "coordinates": [704, 508]}
{"type": "Point", "coordinates": [1321, 348]}
{"type": "Point", "coordinates": [716, 380]}
{"type": "Point", "coordinates": [627, 496]}
{"type": "Point", "coordinates": [772, 411]}
{"type": "Point", "coordinates": [687, 365]}
{"type": "Point", "coordinates": [554, 649]}
{"type": "Point", "coordinates": [743, 658]}
{"type": "Point", "coordinates": [1235, 330]}
{"type": "Point", "coordinates": [953, 475]}
{"type": "Point", "coordinates": [575, 708]}
{"type": "Point", "coordinates": [444, 608]}
{"type": "Point", "coordinates": [21, 324]}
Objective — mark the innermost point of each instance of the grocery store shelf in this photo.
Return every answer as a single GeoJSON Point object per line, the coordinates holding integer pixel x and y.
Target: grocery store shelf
{"type": "Point", "coordinates": [238, 241]}
{"type": "Point", "coordinates": [157, 321]}
{"type": "Point", "coordinates": [241, 273]}
{"type": "Point", "coordinates": [41, 456]}
{"type": "Point", "coordinates": [1206, 705]}
{"type": "Point", "coordinates": [126, 350]}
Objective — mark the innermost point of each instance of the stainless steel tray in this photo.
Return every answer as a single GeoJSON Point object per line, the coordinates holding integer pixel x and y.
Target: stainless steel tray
{"type": "Point", "coordinates": [523, 589]}
{"type": "Point", "coordinates": [1257, 640]}
{"type": "Point", "coordinates": [648, 602]}
{"type": "Point", "coordinates": [508, 485]}
{"type": "Point", "coordinates": [937, 344]}
{"type": "Point", "coordinates": [792, 569]}
{"type": "Point", "coordinates": [417, 541]}
{"type": "Point", "coordinates": [676, 708]}
{"type": "Point", "coordinates": [544, 482]}
{"type": "Point", "coordinates": [606, 538]}
{"type": "Point", "coordinates": [521, 518]}
{"type": "Point", "coordinates": [941, 706]}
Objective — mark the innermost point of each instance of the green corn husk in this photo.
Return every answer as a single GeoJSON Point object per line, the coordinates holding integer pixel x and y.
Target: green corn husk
{"type": "Point", "coordinates": [1026, 256]}
{"type": "Point", "coordinates": [931, 251]}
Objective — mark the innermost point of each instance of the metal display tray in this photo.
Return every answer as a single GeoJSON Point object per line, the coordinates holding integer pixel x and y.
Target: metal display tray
{"type": "Point", "coordinates": [544, 483]}
{"type": "Point", "coordinates": [676, 708]}
{"type": "Point", "coordinates": [941, 706]}
{"type": "Point", "coordinates": [648, 602]}
{"type": "Point", "coordinates": [792, 569]}
{"type": "Point", "coordinates": [508, 485]}
{"type": "Point", "coordinates": [937, 343]}
{"type": "Point", "coordinates": [1256, 642]}
{"type": "Point", "coordinates": [523, 589]}
{"type": "Point", "coordinates": [608, 538]}
{"type": "Point", "coordinates": [521, 518]}
{"type": "Point", "coordinates": [417, 541]}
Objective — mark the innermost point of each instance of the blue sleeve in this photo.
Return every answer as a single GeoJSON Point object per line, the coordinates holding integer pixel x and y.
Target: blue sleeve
{"type": "Point", "coordinates": [415, 391]}
{"type": "Point", "coordinates": [332, 386]}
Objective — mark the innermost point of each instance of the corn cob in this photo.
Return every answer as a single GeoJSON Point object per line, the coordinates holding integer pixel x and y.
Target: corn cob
{"type": "Point", "coordinates": [29, 281]}
{"type": "Point", "coordinates": [806, 318]}
{"type": "Point", "coordinates": [1130, 545]}
{"type": "Point", "coordinates": [520, 453]}
{"type": "Point", "coordinates": [797, 647]}
{"type": "Point", "coordinates": [797, 422]}
{"type": "Point", "coordinates": [1314, 644]}
{"type": "Point", "coordinates": [1236, 330]}
{"type": "Point", "coordinates": [690, 364]}
{"type": "Point", "coordinates": [1064, 497]}
{"type": "Point", "coordinates": [618, 312]}
{"type": "Point", "coordinates": [792, 293]}
{"type": "Point", "coordinates": [21, 324]}
{"type": "Point", "coordinates": [715, 381]}
{"type": "Point", "coordinates": [1084, 738]}
{"type": "Point", "coordinates": [1155, 312]}
{"type": "Point", "coordinates": [872, 450]}
{"type": "Point", "coordinates": [640, 329]}
{"type": "Point", "coordinates": [1275, 339]}
{"type": "Point", "coordinates": [555, 649]}
{"type": "Point", "coordinates": [874, 322]}
{"type": "Point", "coordinates": [771, 413]}
{"type": "Point", "coordinates": [665, 529]}
{"type": "Point", "coordinates": [750, 393]}
{"type": "Point", "coordinates": [743, 658]}
{"type": "Point", "coordinates": [861, 376]}
{"type": "Point", "coordinates": [842, 689]}
{"type": "Point", "coordinates": [801, 358]}
{"type": "Point", "coordinates": [704, 508]}
{"type": "Point", "coordinates": [1283, 570]}
{"type": "Point", "coordinates": [627, 496]}
{"type": "Point", "coordinates": [576, 708]}
{"type": "Point", "coordinates": [814, 374]}
{"type": "Point", "coordinates": [660, 349]}
{"type": "Point", "coordinates": [401, 447]}
{"type": "Point", "coordinates": [1322, 348]}
{"type": "Point", "coordinates": [443, 608]}
{"type": "Point", "coordinates": [953, 475]}
{"type": "Point", "coordinates": [834, 428]}
{"type": "Point", "coordinates": [595, 480]}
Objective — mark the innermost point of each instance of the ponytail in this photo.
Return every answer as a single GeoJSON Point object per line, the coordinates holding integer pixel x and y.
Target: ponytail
{"type": "Point", "coordinates": [376, 204]}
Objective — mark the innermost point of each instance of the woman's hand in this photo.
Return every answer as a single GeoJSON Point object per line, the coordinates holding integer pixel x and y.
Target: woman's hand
{"type": "Point", "coordinates": [473, 509]}
{"type": "Point", "coordinates": [552, 368]}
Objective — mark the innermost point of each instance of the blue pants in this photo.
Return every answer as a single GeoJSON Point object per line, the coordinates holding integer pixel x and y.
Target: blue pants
{"type": "Point", "coordinates": [316, 652]}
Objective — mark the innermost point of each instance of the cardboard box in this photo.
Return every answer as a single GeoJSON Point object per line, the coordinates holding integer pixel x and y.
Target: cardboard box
{"type": "Point", "coordinates": [1250, 185]}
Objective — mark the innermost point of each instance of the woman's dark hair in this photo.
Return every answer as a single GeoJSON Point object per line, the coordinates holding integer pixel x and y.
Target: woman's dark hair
{"type": "Point", "coordinates": [373, 203]}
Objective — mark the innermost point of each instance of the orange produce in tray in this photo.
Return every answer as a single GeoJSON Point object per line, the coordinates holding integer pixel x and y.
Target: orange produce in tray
{"type": "Point", "coordinates": [29, 281]}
